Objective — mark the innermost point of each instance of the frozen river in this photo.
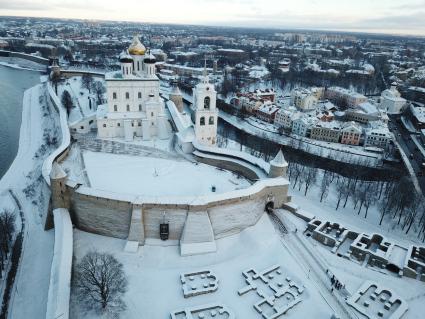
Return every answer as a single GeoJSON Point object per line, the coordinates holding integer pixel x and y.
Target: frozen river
{"type": "Point", "coordinates": [13, 83]}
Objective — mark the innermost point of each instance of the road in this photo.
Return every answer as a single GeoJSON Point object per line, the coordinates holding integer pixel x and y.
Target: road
{"type": "Point", "coordinates": [404, 138]}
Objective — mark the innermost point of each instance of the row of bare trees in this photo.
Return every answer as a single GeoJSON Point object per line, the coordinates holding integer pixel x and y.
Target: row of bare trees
{"type": "Point", "coordinates": [396, 200]}
{"type": "Point", "coordinates": [7, 231]}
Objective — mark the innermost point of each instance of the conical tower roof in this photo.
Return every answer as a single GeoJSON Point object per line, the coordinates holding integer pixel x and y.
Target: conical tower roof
{"type": "Point", "coordinates": [279, 160]}
{"type": "Point", "coordinates": [57, 172]}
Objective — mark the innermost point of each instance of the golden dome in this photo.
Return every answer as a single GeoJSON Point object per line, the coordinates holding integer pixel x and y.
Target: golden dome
{"type": "Point", "coordinates": [136, 47]}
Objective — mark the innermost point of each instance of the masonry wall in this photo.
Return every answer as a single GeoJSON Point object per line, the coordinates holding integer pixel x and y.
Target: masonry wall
{"type": "Point", "coordinates": [100, 215]}
{"type": "Point", "coordinates": [110, 217]}
{"type": "Point", "coordinates": [155, 216]}
{"type": "Point", "coordinates": [231, 166]}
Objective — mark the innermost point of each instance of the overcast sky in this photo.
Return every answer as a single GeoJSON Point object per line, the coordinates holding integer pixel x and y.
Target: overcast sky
{"type": "Point", "coordinates": [389, 16]}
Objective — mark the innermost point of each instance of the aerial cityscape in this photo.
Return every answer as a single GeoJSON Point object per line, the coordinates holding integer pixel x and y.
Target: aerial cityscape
{"type": "Point", "coordinates": [212, 159]}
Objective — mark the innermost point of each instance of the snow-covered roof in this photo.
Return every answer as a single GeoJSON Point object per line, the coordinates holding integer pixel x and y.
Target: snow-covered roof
{"type": "Point", "coordinates": [368, 108]}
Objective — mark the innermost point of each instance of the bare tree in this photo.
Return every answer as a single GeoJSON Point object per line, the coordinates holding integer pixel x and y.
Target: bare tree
{"type": "Point", "coordinates": [416, 206]}
{"type": "Point", "coordinates": [324, 186]}
{"type": "Point", "coordinates": [310, 177]}
{"type": "Point", "coordinates": [100, 283]}
{"type": "Point", "coordinates": [67, 101]}
{"type": "Point", "coordinates": [87, 81]}
{"type": "Point", "coordinates": [99, 90]}
{"type": "Point", "coordinates": [55, 78]}
{"type": "Point", "coordinates": [342, 189]}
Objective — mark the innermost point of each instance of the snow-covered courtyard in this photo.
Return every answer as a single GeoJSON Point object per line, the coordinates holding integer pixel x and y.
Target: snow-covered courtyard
{"type": "Point", "coordinates": [155, 289]}
{"type": "Point", "coordinates": [151, 176]}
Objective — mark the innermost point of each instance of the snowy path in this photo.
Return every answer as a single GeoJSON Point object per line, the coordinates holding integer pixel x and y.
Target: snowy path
{"type": "Point", "coordinates": [32, 279]}
{"type": "Point", "coordinates": [315, 271]}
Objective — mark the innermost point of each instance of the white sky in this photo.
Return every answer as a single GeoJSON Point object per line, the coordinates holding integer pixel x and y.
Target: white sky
{"type": "Point", "coordinates": [390, 16]}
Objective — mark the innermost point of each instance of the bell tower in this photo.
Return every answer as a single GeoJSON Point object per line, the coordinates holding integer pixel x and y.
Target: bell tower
{"type": "Point", "coordinates": [206, 112]}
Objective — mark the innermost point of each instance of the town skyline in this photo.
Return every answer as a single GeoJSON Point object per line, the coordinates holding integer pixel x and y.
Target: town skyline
{"type": "Point", "coordinates": [384, 17]}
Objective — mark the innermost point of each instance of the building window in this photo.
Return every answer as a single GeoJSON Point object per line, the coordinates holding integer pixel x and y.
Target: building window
{"type": "Point", "coordinates": [139, 95]}
{"type": "Point", "coordinates": [118, 124]}
{"type": "Point", "coordinates": [151, 113]}
{"type": "Point", "coordinates": [115, 108]}
{"type": "Point", "coordinates": [202, 121]}
{"type": "Point", "coordinates": [104, 125]}
{"type": "Point", "coordinates": [114, 95]}
{"type": "Point", "coordinates": [132, 124]}
{"type": "Point", "coordinates": [139, 124]}
{"type": "Point", "coordinates": [128, 108]}
{"type": "Point", "coordinates": [140, 107]}
{"type": "Point", "coordinates": [138, 66]}
{"type": "Point", "coordinates": [127, 95]}
{"type": "Point", "coordinates": [207, 102]}
{"type": "Point", "coordinates": [211, 121]}
{"type": "Point", "coordinates": [153, 123]}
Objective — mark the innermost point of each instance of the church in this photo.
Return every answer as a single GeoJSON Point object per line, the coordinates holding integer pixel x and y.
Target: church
{"type": "Point", "coordinates": [134, 108]}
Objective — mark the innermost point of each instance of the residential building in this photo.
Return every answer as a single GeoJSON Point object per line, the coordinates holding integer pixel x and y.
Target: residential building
{"type": "Point", "coordinates": [285, 117]}
{"type": "Point", "coordinates": [378, 136]}
{"type": "Point", "coordinates": [326, 131]}
{"type": "Point", "coordinates": [417, 115]}
{"type": "Point", "coordinates": [267, 112]}
{"type": "Point", "coordinates": [363, 113]}
{"type": "Point", "coordinates": [302, 125]}
{"type": "Point", "coordinates": [304, 99]}
{"type": "Point", "coordinates": [340, 95]}
{"type": "Point", "coordinates": [351, 133]}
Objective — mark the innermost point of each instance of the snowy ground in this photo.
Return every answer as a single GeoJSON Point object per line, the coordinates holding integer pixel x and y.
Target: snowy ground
{"type": "Point", "coordinates": [80, 97]}
{"type": "Point", "coordinates": [153, 274]}
{"type": "Point", "coordinates": [348, 216]}
{"type": "Point", "coordinates": [152, 176]}
{"type": "Point", "coordinates": [352, 274]}
{"type": "Point", "coordinates": [29, 295]}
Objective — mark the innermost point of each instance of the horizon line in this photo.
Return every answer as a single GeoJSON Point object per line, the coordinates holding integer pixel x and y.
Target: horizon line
{"type": "Point", "coordinates": [275, 28]}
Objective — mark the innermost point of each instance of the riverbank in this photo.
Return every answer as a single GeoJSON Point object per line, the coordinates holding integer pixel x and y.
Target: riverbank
{"type": "Point", "coordinates": [13, 83]}
{"type": "Point", "coordinates": [24, 178]}
{"type": "Point", "coordinates": [21, 64]}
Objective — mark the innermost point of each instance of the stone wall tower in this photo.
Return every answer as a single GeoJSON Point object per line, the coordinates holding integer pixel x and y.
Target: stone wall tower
{"type": "Point", "coordinates": [60, 196]}
{"type": "Point", "coordinates": [176, 97]}
{"type": "Point", "coordinates": [278, 166]}
{"type": "Point", "coordinates": [206, 113]}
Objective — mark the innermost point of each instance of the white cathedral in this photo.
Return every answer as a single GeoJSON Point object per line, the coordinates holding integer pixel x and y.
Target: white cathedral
{"type": "Point", "coordinates": [135, 108]}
